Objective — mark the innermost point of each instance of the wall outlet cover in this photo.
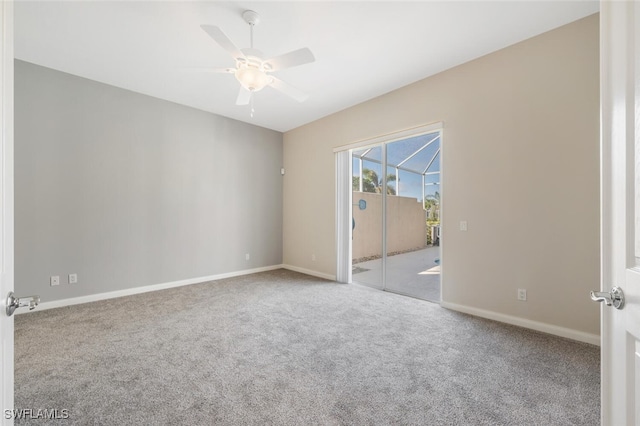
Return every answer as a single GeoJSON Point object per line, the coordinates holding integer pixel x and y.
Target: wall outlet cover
{"type": "Point", "coordinates": [522, 294]}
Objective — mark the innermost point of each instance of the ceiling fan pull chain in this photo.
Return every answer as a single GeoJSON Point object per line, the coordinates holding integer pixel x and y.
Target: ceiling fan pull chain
{"type": "Point", "coordinates": [252, 109]}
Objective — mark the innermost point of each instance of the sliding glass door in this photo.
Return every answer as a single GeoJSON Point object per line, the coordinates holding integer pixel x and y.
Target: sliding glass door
{"type": "Point", "coordinates": [413, 255]}
{"type": "Point", "coordinates": [367, 225]}
{"type": "Point", "coordinates": [396, 216]}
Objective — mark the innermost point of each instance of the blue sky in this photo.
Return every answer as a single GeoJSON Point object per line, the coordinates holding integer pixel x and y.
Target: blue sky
{"type": "Point", "coordinates": [410, 183]}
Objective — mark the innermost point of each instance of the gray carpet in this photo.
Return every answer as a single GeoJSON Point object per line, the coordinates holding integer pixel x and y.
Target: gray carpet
{"type": "Point", "coordinates": [284, 348]}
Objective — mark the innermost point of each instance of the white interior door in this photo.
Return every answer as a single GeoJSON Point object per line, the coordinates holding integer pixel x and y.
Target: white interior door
{"type": "Point", "coordinates": [620, 106]}
{"type": "Point", "coordinates": [6, 209]}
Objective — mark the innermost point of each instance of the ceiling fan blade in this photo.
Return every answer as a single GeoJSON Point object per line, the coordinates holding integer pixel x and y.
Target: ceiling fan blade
{"type": "Point", "coordinates": [225, 42]}
{"type": "Point", "coordinates": [288, 89]}
{"type": "Point", "coordinates": [209, 70]}
{"type": "Point", "coordinates": [244, 96]}
{"type": "Point", "coordinates": [291, 59]}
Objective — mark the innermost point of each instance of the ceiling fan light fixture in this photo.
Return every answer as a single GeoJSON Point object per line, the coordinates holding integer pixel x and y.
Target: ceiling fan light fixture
{"type": "Point", "coordinates": [252, 78]}
{"type": "Point", "coordinates": [251, 69]}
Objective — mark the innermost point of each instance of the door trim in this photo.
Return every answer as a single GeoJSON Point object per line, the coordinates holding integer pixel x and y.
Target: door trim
{"type": "Point", "coordinates": [344, 212]}
{"type": "Point", "coordinates": [6, 214]}
{"type": "Point", "coordinates": [391, 137]}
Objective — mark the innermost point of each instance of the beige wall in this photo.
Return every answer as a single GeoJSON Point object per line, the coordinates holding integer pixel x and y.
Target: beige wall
{"type": "Point", "coordinates": [406, 225]}
{"type": "Point", "coordinates": [520, 164]}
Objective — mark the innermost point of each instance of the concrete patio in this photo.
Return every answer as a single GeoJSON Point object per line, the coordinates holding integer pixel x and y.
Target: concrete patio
{"type": "Point", "coordinates": [414, 274]}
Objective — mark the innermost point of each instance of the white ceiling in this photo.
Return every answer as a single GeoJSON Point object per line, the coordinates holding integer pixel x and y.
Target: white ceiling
{"type": "Point", "coordinates": [362, 49]}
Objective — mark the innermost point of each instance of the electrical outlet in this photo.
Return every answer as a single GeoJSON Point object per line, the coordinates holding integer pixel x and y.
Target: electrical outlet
{"type": "Point", "coordinates": [73, 278]}
{"type": "Point", "coordinates": [463, 225]}
{"type": "Point", "coordinates": [247, 256]}
{"type": "Point", "coordinates": [313, 257]}
{"type": "Point", "coordinates": [522, 294]}
{"type": "Point", "coordinates": [55, 280]}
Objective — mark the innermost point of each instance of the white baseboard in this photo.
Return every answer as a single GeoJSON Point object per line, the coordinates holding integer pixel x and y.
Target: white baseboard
{"type": "Point", "coordinates": [508, 319]}
{"type": "Point", "coordinates": [145, 289]}
{"type": "Point", "coordinates": [310, 272]}
{"type": "Point", "coordinates": [568, 333]}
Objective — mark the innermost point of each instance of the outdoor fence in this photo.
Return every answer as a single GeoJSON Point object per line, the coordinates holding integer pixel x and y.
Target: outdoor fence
{"type": "Point", "coordinates": [406, 225]}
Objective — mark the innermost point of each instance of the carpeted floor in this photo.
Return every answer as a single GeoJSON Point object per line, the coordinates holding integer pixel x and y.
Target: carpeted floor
{"type": "Point", "coordinates": [282, 348]}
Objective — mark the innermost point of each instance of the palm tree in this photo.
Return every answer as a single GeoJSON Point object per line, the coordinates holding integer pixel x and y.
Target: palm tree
{"type": "Point", "coordinates": [368, 180]}
{"type": "Point", "coordinates": [371, 182]}
{"type": "Point", "coordinates": [432, 206]}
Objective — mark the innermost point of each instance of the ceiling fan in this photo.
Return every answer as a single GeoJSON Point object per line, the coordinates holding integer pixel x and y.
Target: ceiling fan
{"type": "Point", "coordinates": [252, 70]}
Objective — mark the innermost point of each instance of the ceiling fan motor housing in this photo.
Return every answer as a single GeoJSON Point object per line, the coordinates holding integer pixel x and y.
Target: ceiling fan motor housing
{"type": "Point", "coordinates": [251, 17]}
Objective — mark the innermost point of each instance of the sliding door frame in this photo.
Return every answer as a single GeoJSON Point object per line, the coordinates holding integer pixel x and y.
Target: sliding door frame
{"type": "Point", "coordinates": [344, 199]}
